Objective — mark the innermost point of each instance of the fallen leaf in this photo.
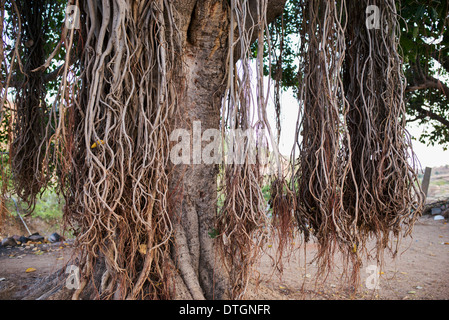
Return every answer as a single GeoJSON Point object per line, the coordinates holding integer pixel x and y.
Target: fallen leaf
{"type": "Point", "coordinates": [30, 270]}
{"type": "Point", "coordinates": [411, 292]}
{"type": "Point", "coordinates": [143, 249]}
{"type": "Point", "coordinates": [97, 143]}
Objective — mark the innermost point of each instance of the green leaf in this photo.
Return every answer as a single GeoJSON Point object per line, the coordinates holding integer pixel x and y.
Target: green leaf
{"type": "Point", "coordinates": [213, 233]}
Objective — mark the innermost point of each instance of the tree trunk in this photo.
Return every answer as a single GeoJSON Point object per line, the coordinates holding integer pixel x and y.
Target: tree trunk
{"type": "Point", "coordinates": [205, 49]}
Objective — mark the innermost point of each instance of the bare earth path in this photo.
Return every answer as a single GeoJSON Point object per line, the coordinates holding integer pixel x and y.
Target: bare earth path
{"type": "Point", "coordinates": [420, 272]}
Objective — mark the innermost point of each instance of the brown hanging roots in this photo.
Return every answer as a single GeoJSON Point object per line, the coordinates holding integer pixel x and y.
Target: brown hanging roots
{"type": "Point", "coordinates": [383, 197]}
{"type": "Point", "coordinates": [320, 176]}
{"type": "Point", "coordinates": [241, 221]}
{"type": "Point", "coordinates": [118, 187]}
{"type": "Point", "coordinates": [3, 90]}
{"type": "Point", "coordinates": [27, 148]}
{"type": "Point", "coordinates": [353, 180]}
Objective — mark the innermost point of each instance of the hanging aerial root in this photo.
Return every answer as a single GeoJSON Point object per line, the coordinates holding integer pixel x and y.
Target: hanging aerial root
{"type": "Point", "coordinates": [321, 172]}
{"type": "Point", "coordinates": [383, 197]}
{"type": "Point", "coordinates": [26, 150]}
{"type": "Point", "coordinates": [117, 200]}
{"type": "Point", "coordinates": [354, 179]}
{"type": "Point", "coordinates": [283, 223]}
{"type": "Point", "coordinates": [242, 221]}
{"type": "Point", "coordinates": [240, 225]}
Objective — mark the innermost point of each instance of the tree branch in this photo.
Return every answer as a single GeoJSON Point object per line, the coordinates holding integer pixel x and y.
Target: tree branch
{"type": "Point", "coordinates": [53, 75]}
{"type": "Point", "coordinates": [430, 83]}
{"type": "Point", "coordinates": [442, 59]}
{"type": "Point", "coordinates": [275, 9]}
{"type": "Point", "coordinates": [439, 55]}
{"type": "Point", "coordinates": [430, 114]}
{"type": "Point", "coordinates": [46, 77]}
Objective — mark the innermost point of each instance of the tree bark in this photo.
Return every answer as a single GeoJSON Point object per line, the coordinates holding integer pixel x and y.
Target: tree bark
{"type": "Point", "coordinates": [193, 188]}
{"type": "Point", "coordinates": [205, 30]}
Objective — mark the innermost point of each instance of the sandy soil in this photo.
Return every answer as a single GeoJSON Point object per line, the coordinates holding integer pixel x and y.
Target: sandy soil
{"type": "Point", "coordinates": [420, 272]}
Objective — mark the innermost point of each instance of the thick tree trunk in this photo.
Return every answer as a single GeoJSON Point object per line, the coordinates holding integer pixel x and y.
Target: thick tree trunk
{"type": "Point", "coordinates": [205, 42]}
{"type": "Point", "coordinates": [193, 188]}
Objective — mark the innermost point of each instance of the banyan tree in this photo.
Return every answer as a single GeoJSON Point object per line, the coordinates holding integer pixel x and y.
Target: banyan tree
{"type": "Point", "coordinates": [92, 91]}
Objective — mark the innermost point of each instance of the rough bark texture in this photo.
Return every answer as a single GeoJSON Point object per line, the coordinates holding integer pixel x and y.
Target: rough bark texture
{"type": "Point", "coordinates": [205, 30]}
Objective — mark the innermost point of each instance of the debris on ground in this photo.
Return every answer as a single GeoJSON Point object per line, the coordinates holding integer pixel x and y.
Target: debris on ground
{"type": "Point", "coordinates": [34, 244]}
{"type": "Point", "coordinates": [55, 237]}
{"type": "Point", "coordinates": [9, 242]}
{"type": "Point", "coordinates": [439, 207]}
{"type": "Point", "coordinates": [36, 237]}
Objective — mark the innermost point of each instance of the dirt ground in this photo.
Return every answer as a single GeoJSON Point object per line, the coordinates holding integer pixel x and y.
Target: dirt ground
{"type": "Point", "coordinates": [420, 272]}
{"type": "Point", "coordinates": [40, 261]}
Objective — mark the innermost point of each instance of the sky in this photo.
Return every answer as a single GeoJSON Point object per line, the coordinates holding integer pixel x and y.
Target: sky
{"type": "Point", "coordinates": [429, 156]}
